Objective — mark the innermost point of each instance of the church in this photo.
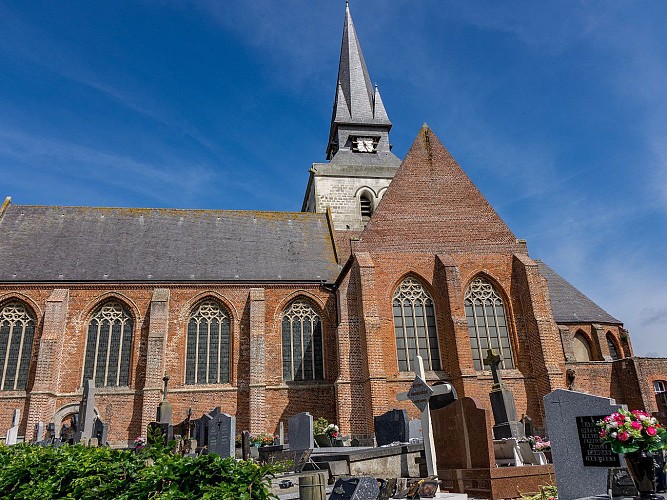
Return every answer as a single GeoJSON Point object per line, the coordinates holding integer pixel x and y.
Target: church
{"type": "Point", "coordinates": [268, 314]}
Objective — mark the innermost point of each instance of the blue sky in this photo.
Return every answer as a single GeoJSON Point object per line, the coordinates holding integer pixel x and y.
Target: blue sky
{"type": "Point", "coordinates": [556, 110]}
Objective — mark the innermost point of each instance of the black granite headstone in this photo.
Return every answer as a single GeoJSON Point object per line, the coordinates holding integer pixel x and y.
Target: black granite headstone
{"type": "Point", "coordinates": [594, 451]}
{"type": "Point", "coordinates": [620, 484]}
{"type": "Point", "coordinates": [355, 488]}
{"type": "Point", "coordinates": [392, 426]}
{"type": "Point", "coordinates": [442, 400]}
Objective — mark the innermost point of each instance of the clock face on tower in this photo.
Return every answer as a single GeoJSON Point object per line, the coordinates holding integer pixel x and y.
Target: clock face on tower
{"type": "Point", "coordinates": [365, 144]}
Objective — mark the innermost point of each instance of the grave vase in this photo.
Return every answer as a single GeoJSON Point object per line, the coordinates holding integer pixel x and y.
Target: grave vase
{"type": "Point", "coordinates": [642, 470]}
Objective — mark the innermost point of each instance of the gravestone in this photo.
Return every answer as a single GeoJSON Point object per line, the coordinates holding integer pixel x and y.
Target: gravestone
{"type": "Point", "coordinates": [502, 403]}
{"type": "Point", "coordinates": [462, 436]}
{"type": "Point", "coordinates": [222, 435]}
{"type": "Point", "coordinates": [12, 435]}
{"type": "Point", "coordinates": [245, 445]}
{"type": "Point", "coordinates": [84, 427]}
{"type": "Point", "coordinates": [101, 431]}
{"type": "Point", "coordinates": [39, 432]}
{"type": "Point", "coordinates": [355, 488]}
{"type": "Point", "coordinates": [201, 425]}
{"type": "Point", "coordinates": [620, 483]}
{"type": "Point", "coordinates": [392, 426]}
{"type": "Point", "coordinates": [51, 432]}
{"type": "Point", "coordinates": [527, 423]}
{"type": "Point", "coordinates": [415, 429]}
{"type": "Point", "coordinates": [438, 401]}
{"type": "Point", "coordinates": [164, 410]}
{"type": "Point", "coordinates": [300, 431]}
{"type": "Point", "coordinates": [581, 460]}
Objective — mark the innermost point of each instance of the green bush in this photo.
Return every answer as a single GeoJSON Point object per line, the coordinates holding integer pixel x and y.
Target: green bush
{"type": "Point", "coordinates": [44, 473]}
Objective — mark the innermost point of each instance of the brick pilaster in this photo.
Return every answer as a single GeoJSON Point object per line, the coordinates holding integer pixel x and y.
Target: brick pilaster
{"type": "Point", "coordinates": [600, 335]}
{"type": "Point", "coordinates": [158, 326]}
{"type": "Point", "coordinates": [42, 400]}
{"type": "Point", "coordinates": [257, 380]}
{"type": "Point", "coordinates": [566, 340]}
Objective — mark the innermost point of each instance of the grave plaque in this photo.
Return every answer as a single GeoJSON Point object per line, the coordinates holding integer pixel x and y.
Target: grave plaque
{"type": "Point", "coordinates": [355, 488]}
{"type": "Point", "coordinates": [594, 452]}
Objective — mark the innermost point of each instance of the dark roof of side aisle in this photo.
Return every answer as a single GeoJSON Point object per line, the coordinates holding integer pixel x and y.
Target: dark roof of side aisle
{"type": "Point", "coordinates": [569, 304]}
{"type": "Point", "coordinates": [41, 243]}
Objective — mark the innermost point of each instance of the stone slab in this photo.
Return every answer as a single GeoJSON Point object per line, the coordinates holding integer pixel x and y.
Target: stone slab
{"type": "Point", "coordinates": [300, 431]}
{"type": "Point", "coordinates": [573, 478]}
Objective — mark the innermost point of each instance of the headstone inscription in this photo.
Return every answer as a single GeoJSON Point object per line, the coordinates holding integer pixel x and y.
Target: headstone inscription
{"type": "Point", "coordinates": [300, 431]}
{"type": "Point", "coordinates": [502, 403]}
{"type": "Point", "coordinates": [420, 393]}
{"type": "Point", "coordinates": [594, 451]}
{"type": "Point", "coordinates": [579, 473]}
{"type": "Point", "coordinates": [221, 435]}
{"type": "Point", "coordinates": [391, 427]}
{"type": "Point", "coordinates": [84, 429]}
{"type": "Point", "coordinates": [12, 435]}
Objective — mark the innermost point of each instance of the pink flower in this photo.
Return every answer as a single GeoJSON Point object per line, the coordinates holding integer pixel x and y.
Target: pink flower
{"type": "Point", "coordinates": [623, 436]}
{"type": "Point", "coordinates": [636, 425]}
{"type": "Point", "coordinates": [651, 431]}
{"type": "Point", "coordinates": [603, 433]}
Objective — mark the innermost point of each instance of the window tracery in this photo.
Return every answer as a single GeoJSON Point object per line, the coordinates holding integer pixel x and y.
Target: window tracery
{"type": "Point", "coordinates": [414, 326]}
{"type": "Point", "coordinates": [487, 323]}
{"type": "Point", "coordinates": [17, 331]}
{"type": "Point", "coordinates": [208, 339]}
{"type": "Point", "coordinates": [109, 345]}
{"type": "Point", "coordinates": [302, 344]}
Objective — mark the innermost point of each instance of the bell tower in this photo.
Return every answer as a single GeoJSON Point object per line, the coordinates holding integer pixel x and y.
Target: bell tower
{"type": "Point", "coordinates": [360, 162]}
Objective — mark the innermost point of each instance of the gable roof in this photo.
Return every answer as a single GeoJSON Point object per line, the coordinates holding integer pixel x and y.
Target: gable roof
{"type": "Point", "coordinates": [41, 243]}
{"type": "Point", "coordinates": [432, 206]}
{"type": "Point", "coordinates": [569, 304]}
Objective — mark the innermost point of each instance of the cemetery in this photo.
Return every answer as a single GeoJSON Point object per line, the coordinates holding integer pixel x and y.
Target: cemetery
{"type": "Point", "coordinates": [450, 452]}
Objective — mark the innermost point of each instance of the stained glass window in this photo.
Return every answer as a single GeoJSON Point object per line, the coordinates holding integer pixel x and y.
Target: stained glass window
{"type": "Point", "coordinates": [17, 332]}
{"type": "Point", "coordinates": [414, 326]}
{"type": "Point", "coordinates": [108, 346]}
{"type": "Point", "coordinates": [487, 323]}
{"type": "Point", "coordinates": [207, 346]}
{"type": "Point", "coordinates": [303, 349]}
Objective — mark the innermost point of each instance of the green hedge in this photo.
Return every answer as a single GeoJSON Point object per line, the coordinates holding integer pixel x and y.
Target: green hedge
{"type": "Point", "coordinates": [32, 472]}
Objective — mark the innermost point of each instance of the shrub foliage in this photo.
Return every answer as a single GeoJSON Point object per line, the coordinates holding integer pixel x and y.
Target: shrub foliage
{"type": "Point", "coordinates": [44, 473]}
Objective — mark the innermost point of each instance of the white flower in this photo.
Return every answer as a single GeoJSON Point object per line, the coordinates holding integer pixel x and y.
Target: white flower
{"type": "Point", "coordinates": [614, 434]}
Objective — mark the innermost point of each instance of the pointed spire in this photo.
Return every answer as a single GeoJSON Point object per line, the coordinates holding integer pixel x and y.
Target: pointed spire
{"type": "Point", "coordinates": [379, 113]}
{"type": "Point", "coordinates": [357, 101]}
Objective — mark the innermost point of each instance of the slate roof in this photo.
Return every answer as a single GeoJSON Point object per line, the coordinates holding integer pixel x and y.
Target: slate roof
{"type": "Point", "coordinates": [41, 243]}
{"type": "Point", "coordinates": [569, 304]}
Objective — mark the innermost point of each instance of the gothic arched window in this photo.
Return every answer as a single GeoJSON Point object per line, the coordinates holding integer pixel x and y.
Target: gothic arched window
{"type": "Point", "coordinates": [487, 323]}
{"type": "Point", "coordinates": [414, 326]}
{"type": "Point", "coordinates": [612, 347]}
{"type": "Point", "coordinates": [17, 332]}
{"type": "Point", "coordinates": [581, 347]}
{"type": "Point", "coordinates": [303, 348]}
{"type": "Point", "coordinates": [207, 357]}
{"type": "Point", "coordinates": [109, 346]}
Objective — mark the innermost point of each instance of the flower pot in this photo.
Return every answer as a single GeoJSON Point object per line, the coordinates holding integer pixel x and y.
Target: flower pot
{"type": "Point", "coordinates": [641, 468]}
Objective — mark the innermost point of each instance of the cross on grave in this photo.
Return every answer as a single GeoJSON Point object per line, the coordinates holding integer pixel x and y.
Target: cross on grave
{"type": "Point", "coordinates": [493, 360]}
{"type": "Point", "coordinates": [420, 392]}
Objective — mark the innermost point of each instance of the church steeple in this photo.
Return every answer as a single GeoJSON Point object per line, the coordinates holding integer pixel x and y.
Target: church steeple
{"type": "Point", "coordinates": [358, 112]}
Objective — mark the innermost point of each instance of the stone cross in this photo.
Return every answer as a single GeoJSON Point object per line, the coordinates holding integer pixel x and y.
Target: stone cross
{"type": "Point", "coordinates": [419, 394]}
{"type": "Point", "coordinates": [165, 379]}
{"type": "Point", "coordinates": [493, 360]}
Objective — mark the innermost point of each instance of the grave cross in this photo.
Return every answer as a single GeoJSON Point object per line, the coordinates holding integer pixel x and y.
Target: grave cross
{"type": "Point", "coordinates": [165, 379]}
{"type": "Point", "coordinates": [420, 392]}
{"type": "Point", "coordinates": [493, 360]}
